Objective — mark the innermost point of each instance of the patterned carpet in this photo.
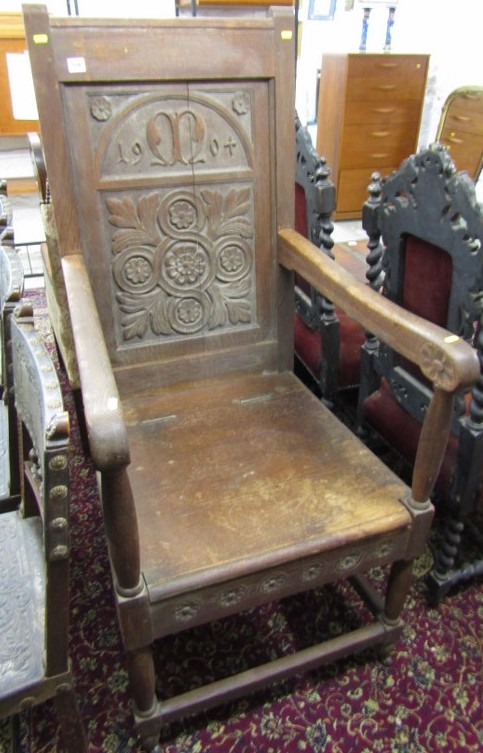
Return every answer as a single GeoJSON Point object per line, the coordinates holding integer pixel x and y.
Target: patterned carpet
{"type": "Point", "coordinates": [426, 697]}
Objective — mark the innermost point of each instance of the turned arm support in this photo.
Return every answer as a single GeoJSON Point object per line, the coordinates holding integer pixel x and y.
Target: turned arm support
{"type": "Point", "coordinates": [444, 358]}
{"type": "Point", "coordinates": [102, 407]}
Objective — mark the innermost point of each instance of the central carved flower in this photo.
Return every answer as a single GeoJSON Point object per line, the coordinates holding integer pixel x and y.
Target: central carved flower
{"type": "Point", "coordinates": [185, 265]}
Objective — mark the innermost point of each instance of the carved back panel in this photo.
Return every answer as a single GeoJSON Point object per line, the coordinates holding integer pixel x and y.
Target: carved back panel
{"type": "Point", "coordinates": [432, 229]}
{"type": "Point", "coordinates": [172, 189]}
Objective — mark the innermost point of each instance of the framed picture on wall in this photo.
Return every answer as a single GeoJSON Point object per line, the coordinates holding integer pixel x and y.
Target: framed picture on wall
{"type": "Point", "coordinates": [321, 10]}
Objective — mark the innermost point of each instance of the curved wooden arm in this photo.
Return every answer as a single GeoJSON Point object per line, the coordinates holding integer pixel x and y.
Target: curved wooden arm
{"type": "Point", "coordinates": [103, 413]}
{"type": "Point", "coordinates": [448, 361]}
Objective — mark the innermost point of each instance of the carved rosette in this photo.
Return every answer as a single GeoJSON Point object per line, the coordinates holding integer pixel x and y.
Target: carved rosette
{"type": "Point", "coordinates": [183, 262]}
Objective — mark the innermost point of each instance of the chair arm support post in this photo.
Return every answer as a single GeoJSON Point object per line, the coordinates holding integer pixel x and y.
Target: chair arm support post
{"type": "Point", "coordinates": [122, 531]}
{"type": "Point", "coordinates": [102, 407]}
{"type": "Point", "coordinates": [448, 361]}
{"type": "Point", "coordinates": [432, 444]}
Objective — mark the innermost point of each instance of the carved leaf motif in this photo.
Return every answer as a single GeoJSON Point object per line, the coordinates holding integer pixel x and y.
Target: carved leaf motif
{"type": "Point", "coordinates": [139, 224]}
{"type": "Point", "coordinates": [227, 214]}
{"type": "Point", "coordinates": [218, 316]}
{"type": "Point", "coordinates": [159, 320]}
{"type": "Point", "coordinates": [229, 302]}
{"type": "Point", "coordinates": [139, 312]}
{"type": "Point", "coordinates": [122, 212]}
{"type": "Point", "coordinates": [135, 325]}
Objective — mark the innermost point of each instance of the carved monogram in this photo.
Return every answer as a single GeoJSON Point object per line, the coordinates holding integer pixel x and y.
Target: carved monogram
{"type": "Point", "coordinates": [183, 262]}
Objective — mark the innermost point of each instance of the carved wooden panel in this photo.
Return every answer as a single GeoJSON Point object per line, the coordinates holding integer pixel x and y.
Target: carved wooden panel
{"type": "Point", "coordinates": [175, 172]}
{"type": "Point", "coordinates": [21, 613]}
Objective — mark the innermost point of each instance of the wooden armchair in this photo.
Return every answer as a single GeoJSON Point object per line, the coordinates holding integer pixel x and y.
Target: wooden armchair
{"type": "Point", "coordinates": [225, 483]}
{"type": "Point", "coordinates": [11, 290]}
{"type": "Point", "coordinates": [432, 258]}
{"type": "Point", "coordinates": [34, 545]}
{"type": "Point", "coordinates": [327, 342]}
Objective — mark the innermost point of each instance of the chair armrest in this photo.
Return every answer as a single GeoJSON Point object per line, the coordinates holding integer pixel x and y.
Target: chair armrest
{"type": "Point", "coordinates": [102, 407]}
{"type": "Point", "coordinates": [444, 358]}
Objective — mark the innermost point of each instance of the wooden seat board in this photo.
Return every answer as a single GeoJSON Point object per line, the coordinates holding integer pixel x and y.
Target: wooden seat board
{"type": "Point", "coordinates": [219, 495]}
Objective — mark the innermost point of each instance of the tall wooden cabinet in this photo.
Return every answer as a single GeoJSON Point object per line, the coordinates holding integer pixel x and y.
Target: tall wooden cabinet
{"type": "Point", "coordinates": [368, 118]}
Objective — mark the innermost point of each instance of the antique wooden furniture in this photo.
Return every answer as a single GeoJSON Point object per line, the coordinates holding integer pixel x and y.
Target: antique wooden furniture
{"type": "Point", "coordinates": [225, 483]}
{"type": "Point", "coordinates": [11, 290]}
{"type": "Point", "coordinates": [368, 118]}
{"type": "Point", "coordinates": [34, 545]}
{"type": "Point", "coordinates": [12, 40]}
{"type": "Point", "coordinates": [432, 231]}
{"type": "Point", "coordinates": [6, 215]}
{"type": "Point", "coordinates": [461, 128]}
{"type": "Point", "coordinates": [55, 292]}
{"type": "Point", "coordinates": [327, 342]}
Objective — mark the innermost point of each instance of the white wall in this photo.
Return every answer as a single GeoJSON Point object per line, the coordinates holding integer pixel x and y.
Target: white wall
{"type": "Point", "coordinates": [449, 31]}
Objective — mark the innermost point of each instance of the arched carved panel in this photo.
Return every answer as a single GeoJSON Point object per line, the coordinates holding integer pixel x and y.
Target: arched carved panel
{"type": "Point", "coordinates": [175, 173]}
{"type": "Point", "coordinates": [142, 135]}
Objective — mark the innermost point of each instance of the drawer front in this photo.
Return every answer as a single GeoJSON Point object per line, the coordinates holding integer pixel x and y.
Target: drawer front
{"type": "Point", "coordinates": [370, 88]}
{"type": "Point", "coordinates": [462, 119]}
{"type": "Point", "coordinates": [465, 150]}
{"type": "Point", "coordinates": [396, 67]}
{"type": "Point", "coordinates": [375, 145]}
{"type": "Point", "coordinates": [352, 188]}
{"type": "Point", "coordinates": [401, 111]}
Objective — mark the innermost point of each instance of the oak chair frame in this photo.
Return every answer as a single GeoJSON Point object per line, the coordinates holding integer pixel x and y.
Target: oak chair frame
{"type": "Point", "coordinates": [151, 608]}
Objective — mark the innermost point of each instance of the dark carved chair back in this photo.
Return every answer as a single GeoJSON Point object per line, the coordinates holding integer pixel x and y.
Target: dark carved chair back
{"type": "Point", "coordinates": [432, 264]}
{"type": "Point", "coordinates": [327, 342]}
{"type": "Point", "coordinates": [11, 290]}
{"type": "Point", "coordinates": [34, 549]}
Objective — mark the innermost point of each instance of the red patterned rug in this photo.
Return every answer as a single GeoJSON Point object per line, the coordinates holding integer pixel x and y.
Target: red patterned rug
{"type": "Point", "coordinates": [426, 697]}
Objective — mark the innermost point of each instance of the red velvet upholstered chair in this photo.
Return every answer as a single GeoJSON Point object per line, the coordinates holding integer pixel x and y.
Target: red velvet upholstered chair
{"type": "Point", "coordinates": [432, 228]}
{"type": "Point", "coordinates": [327, 342]}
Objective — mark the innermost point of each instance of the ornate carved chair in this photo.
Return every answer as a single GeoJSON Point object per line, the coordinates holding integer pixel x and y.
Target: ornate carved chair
{"type": "Point", "coordinates": [327, 342]}
{"type": "Point", "coordinates": [11, 290]}
{"type": "Point", "coordinates": [225, 483]}
{"type": "Point", "coordinates": [432, 229]}
{"type": "Point", "coordinates": [6, 215]}
{"type": "Point", "coordinates": [34, 545]}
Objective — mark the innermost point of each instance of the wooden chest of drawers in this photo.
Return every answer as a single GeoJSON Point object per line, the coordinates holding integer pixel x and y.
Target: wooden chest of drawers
{"type": "Point", "coordinates": [368, 118]}
{"type": "Point", "coordinates": [461, 128]}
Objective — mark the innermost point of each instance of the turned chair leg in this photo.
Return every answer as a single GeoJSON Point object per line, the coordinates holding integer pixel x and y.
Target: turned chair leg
{"type": "Point", "coordinates": [143, 688]}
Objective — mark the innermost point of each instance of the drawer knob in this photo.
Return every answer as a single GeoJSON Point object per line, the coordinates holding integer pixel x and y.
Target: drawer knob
{"type": "Point", "coordinates": [387, 87]}
{"type": "Point", "coordinates": [380, 134]}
